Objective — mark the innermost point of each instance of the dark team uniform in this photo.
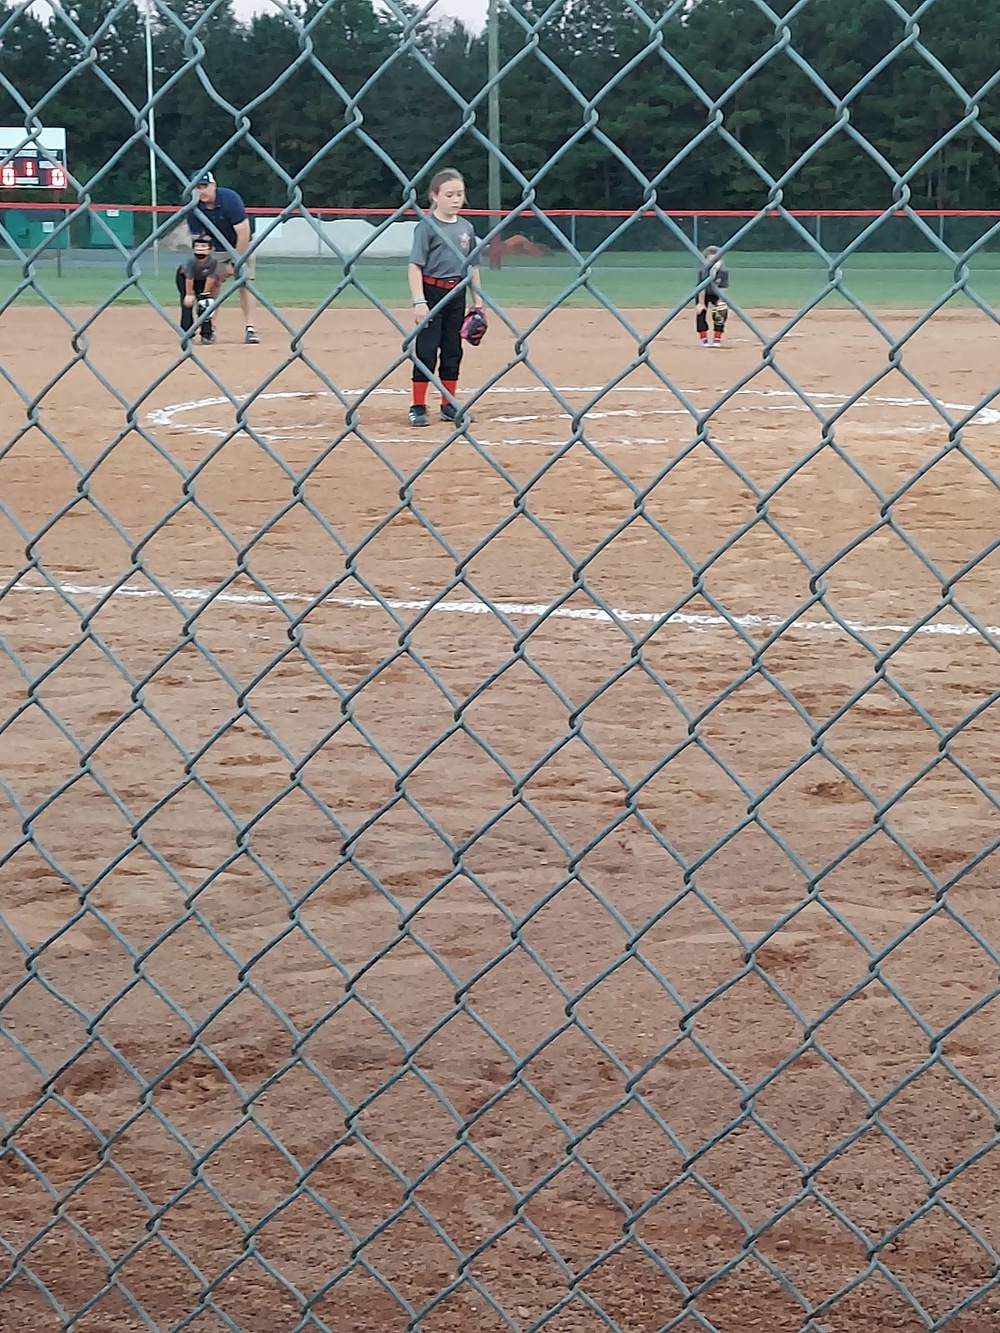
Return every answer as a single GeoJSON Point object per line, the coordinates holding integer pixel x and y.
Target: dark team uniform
{"type": "Point", "coordinates": [714, 297]}
{"type": "Point", "coordinates": [201, 270]}
{"type": "Point", "coordinates": [441, 251]}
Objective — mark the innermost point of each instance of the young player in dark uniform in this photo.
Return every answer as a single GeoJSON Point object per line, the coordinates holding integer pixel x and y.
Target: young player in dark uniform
{"type": "Point", "coordinates": [198, 282]}
{"type": "Point", "coordinates": [226, 212]}
{"type": "Point", "coordinates": [439, 255]}
{"type": "Point", "coordinates": [712, 298]}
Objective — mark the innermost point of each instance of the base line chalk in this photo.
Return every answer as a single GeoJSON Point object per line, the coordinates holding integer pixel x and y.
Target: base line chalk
{"type": "Point", "coordinates": [513, 610]}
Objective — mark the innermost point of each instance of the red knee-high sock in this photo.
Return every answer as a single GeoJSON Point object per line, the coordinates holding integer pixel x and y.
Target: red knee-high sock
{"type": "Point", "coordinates": [451, 386]}
{"type": "Point", "coordinates": [419, 393]}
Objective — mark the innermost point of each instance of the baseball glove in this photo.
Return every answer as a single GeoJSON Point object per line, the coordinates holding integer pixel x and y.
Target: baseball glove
{"type": "Point", "coordinates": [474, 326]}
{"type": "Point", "coordinates": [720, 313]}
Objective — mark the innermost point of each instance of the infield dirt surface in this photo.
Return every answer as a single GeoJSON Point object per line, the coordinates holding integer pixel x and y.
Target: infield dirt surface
{"type": "Point", "coordinates": [360, 950]}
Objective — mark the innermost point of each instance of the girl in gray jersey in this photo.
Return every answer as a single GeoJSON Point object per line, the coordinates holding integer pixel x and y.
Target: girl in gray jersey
{"type": "Point", "coordinates": [711, 302]}
{"type": "Point", "coordinates": [439, 258]}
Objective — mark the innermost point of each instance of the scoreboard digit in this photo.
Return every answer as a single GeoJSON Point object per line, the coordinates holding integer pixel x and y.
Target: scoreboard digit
{"type": "Point", "coordinates": [37, 162]}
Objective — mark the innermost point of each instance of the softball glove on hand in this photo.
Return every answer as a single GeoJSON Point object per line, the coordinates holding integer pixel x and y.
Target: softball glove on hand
{"type": "Point", "coordinates": [474, 326]}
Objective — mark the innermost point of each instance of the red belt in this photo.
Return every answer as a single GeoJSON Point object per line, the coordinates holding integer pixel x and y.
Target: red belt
{"type": "Point", "coordinates": [446, 283]}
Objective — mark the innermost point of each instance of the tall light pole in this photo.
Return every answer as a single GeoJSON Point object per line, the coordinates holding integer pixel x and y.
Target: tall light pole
{"type": "Point", "coordinates": [148, 7]}
{"type": "Point", "coordinates": [493, 105]}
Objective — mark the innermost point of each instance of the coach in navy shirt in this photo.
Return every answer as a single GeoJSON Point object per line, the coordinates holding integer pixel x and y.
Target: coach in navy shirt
{"type": "Point", "coordinates": [221, 213]}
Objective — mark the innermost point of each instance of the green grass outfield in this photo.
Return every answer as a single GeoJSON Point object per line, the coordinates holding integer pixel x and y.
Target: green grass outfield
{"type": "Point", "coordinates": [759, 280]}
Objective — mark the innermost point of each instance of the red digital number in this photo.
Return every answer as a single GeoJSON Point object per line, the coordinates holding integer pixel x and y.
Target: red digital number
{"type": "Point", "coordinates": [29, 166]}
{"type": "Point", "coordinates": [58, 178]}
{"type": "Point", "coordinates": [8, 176]}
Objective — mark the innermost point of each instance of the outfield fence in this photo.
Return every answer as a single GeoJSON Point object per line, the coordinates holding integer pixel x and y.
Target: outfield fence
{"type": "Point", "coordinates": [535, 235]}
{"type": "Point", "coordinates": [505, 1245]}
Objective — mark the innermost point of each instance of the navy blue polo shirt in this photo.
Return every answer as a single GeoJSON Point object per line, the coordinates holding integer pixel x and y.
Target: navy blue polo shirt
{"type": "Point", "coordinates": [227, 212]}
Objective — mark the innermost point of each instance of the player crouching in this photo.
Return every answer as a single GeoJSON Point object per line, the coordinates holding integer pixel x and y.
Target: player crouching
{"type": "Point", "coordinates": [199, 282]}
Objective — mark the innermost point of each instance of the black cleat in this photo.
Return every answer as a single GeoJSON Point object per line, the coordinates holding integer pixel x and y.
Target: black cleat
{"type": "Point", "coordinates": [454, 415]}
{"type": "Point", "coordinates": [418, 416]}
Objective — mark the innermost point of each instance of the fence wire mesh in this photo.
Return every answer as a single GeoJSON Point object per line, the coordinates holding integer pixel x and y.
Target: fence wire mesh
{"type": "Point", "coordinates": [542, 878]}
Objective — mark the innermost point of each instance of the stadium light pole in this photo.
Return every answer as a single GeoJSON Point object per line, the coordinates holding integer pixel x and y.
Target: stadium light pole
{"type": "Point", "coordinates": [493, 105]}
{"type": "Point", "coordinates": [153, 199]}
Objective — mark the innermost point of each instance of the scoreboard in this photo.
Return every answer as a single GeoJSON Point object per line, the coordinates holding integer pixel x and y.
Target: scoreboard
{"type": "Point", "coordinates": [35, 163]}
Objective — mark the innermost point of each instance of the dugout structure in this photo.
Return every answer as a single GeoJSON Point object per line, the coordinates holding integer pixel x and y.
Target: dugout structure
{"type": "Point", "coordinates": [533, 874]}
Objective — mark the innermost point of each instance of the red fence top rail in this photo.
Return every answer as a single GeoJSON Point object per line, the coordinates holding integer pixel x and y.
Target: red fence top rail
{"type": "Point", "coordinates": [300, 210]}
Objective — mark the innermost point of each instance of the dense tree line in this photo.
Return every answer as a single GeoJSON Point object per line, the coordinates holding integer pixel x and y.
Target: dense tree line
{"type": "Point", "coordinates": [348, 102]}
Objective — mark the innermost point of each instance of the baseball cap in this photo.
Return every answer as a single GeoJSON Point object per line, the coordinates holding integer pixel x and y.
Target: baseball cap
{"type": "Point", "coordinates": [206, 178]}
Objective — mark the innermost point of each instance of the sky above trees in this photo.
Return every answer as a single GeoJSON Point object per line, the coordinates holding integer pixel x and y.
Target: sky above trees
{"type": "Point", "coordinates": [471, 12]}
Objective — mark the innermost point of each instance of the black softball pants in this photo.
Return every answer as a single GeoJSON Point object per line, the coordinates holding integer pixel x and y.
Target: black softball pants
{"type": "Point", "coordinates": [439, 342]}
{"type": "Point", "coordinates": [701, 318]}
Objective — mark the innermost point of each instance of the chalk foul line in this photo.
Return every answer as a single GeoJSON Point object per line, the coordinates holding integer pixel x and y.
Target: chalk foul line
{"type": "Point", "coordinates": [513, 610]}
{"type": "Point", "coordinates": [167, 415]}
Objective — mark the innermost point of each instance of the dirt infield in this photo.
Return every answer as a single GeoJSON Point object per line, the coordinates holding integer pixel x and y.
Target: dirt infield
{"type": "Point", "coordinates": [363, 948]}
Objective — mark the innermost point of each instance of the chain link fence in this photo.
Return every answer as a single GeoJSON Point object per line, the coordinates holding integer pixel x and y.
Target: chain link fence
{"type": "Point", "coordinates": [534, 874]}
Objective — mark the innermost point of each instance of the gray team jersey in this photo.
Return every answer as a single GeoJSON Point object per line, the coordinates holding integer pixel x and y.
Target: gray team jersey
{"type": "Point", "coordinates": [201, 267]}
{"type": "Point", "coordinates": [719, 274]}
{"type": "Point", "coordinates": [442, 249]}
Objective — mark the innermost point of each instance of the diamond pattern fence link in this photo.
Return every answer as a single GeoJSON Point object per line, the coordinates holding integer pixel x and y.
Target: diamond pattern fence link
{"type": "Point", "coordinates": [539, 878]}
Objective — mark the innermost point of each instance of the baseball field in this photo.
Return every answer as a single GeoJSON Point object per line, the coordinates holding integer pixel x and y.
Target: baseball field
{"type": "Point", "coordinates": [536, 877]}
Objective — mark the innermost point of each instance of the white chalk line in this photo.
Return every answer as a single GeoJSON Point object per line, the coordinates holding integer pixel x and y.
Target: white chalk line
{"type": "Point", "coordinates": [513, 610]}
{"type": "Point", "coordinates": [623, 441]}
{"type": "Point", "coordinates": [169, 415]}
